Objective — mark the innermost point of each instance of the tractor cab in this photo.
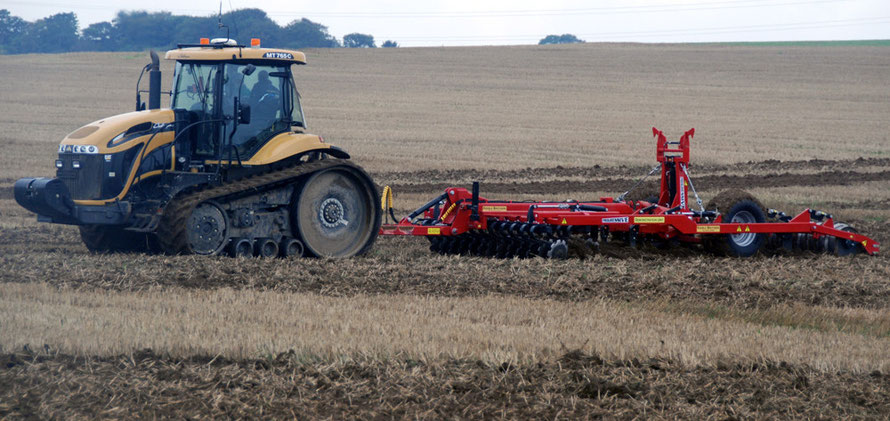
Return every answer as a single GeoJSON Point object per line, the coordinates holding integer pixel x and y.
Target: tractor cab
{"type": "Point", "coordinates": [232, 99]}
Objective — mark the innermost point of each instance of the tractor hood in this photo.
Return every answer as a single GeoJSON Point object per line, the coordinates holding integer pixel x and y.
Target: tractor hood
{"type": "Point", "coordinates": [114, 134]}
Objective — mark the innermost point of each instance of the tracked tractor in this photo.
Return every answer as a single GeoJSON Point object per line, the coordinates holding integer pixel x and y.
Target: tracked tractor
{"type": "Point", "coordinates": [228, 168]}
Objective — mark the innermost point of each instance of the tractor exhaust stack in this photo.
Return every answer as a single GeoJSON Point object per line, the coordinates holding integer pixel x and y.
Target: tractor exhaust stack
{"type": "Point", "coordinates": [154, 82]}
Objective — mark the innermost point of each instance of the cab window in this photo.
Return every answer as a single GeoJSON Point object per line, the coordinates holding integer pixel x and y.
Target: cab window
{"type": "Point", "coordinates": [270, 94]}
{"type": "Point", "coordinates": [195, 90]}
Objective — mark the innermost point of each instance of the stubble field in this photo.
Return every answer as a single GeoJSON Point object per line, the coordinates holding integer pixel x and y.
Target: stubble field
{"type": "Point", "coordinates": [402, 332]}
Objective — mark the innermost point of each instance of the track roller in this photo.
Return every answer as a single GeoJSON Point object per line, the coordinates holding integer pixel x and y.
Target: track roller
{"type": "Point", "coordinates": [242, 247]}
{"type": "Point", "coordinates": [266, 247]}
{"type": "Point", "coordinates": [291, 247]}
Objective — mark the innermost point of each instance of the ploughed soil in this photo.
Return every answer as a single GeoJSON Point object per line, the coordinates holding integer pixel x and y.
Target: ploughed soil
{"type": "Point", "coordinates": [54, 254]}
{"type": "Point", "coordinates": [632, 172]}
{"type": "Point", "coordinates": [713, 182]}
{"type": "Point", "coordinates": [42, 384]}
{"type": "Point", "coordinates": [146, 385]}
{"type": "Point", "coordinates": [406, 266]}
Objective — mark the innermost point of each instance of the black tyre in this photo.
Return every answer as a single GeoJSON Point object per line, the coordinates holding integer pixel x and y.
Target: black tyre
{"type": "Point", "coordinates": [744, 244]}
{"type": "Point", "coordinates": [843, 247]}
{"type": "Point", "coordinates": [650, 195]}
{"type": "Point", "coordinates": [740, 207]}
{"type": "Point", "coordinates": [115, 239]}
{"type": "Point", "coordinates": [652, 199]}
{"type": "Point", "coordinates": [335, 213]}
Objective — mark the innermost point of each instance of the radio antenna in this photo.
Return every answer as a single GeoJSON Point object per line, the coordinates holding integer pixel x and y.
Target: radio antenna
{"type": "Point", "coordinates": [219, 21]}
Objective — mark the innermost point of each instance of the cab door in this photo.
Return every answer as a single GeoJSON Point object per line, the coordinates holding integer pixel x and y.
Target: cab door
{"type": "Point", "coordinates": [266, 91]}
{"type": "Point", "coordinates": [196, 90]}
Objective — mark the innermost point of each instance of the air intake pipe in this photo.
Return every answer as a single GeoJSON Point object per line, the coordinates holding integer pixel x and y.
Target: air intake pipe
{"type": "Point", "coordinates": [154, 82]}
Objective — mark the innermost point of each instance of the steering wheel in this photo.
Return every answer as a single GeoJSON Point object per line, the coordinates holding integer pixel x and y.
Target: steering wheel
{"type": "Point", "coordinates": [267, 99]}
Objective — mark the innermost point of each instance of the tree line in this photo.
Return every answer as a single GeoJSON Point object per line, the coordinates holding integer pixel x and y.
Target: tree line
{"type": "Point", "coordinates": [140, 30]}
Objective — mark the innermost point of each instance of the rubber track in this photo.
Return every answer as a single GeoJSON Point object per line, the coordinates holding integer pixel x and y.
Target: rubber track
{"type": "Point", "coordinates": [172, 232]}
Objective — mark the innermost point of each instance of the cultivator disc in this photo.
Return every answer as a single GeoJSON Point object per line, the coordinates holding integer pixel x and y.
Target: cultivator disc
{"type": "Point", "coordinates": [808, 243]}
{"type": "Point", "coordinates": [504, 239]}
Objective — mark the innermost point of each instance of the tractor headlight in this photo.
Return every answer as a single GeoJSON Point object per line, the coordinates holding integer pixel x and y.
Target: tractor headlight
{"type": "Point", "coordinates": [75, 164]}
{"type": "Point", "coordinates": [58, 163]}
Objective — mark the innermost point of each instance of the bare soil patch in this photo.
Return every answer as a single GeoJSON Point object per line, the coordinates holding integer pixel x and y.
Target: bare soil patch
{"type": "Point", "coordinates": [712, 182]}
{"type": "Point", "coordinates": [624, 171]}
{"type": "Point", "coordinates": [405, 266]}
{"type": "Point", "coordinates": [578, 385]}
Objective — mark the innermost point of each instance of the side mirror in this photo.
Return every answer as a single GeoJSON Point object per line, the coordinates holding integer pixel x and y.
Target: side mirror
{"type": "Point", "coordinates": [244, 114]}
{"type": "Point", "coordinates": [248, 70]}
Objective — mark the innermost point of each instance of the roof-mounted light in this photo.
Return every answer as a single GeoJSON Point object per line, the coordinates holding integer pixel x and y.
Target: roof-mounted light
{"type": "Point", "coordinates": [205, 41]}
{"type": "Point", "coordinates": [254, 43]}
{"type": "Point", "coordinates": [224, 41]}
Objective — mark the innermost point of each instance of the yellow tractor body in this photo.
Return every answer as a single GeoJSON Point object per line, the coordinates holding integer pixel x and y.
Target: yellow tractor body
{"type": "Point", "coordinates": [228, 168]}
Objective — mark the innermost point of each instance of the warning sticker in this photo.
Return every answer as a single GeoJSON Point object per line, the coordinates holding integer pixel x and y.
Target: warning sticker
{"type": "Point", "coordinates": [433, 231]}
{"type": "Point", "coordinates": [564, 221]}
{"type": "Point", "coordinates": [708, 228]}
{"type": "Point", "coordinates": [617, 220]}
{"type": "Point", "coordinates": [648, 219]}
{"type": "Point", "coordinates": [494, 208]}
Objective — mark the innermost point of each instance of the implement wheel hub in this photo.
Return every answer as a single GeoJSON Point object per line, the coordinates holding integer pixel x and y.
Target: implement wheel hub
{"type": "Point", "coordinates": [743, 239]}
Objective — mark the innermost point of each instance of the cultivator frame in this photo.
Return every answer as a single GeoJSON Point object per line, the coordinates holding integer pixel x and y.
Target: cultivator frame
{"type": "Point", "coordinates": [460, 221]}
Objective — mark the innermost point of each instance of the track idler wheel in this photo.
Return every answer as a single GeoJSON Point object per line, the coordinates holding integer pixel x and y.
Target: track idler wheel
{"type": "Point", "coordinates": [207, 229]}
{"type": "Point", "coordinates": [193, 229]}
{"type": "Point", "coordinates": [335, 213]}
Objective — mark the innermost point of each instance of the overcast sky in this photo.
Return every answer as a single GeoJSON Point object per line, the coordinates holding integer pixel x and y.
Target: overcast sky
{"type": "Point", "coordinates": [474, 22]}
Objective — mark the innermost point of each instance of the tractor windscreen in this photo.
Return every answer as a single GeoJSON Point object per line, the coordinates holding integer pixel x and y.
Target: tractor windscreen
{"type": "Point", "coordinates": [195, 87]}
{"type": "Point", "coordinates": [274, 104]}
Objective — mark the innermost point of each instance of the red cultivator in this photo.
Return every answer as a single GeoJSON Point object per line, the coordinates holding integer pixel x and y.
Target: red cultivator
{"type": "Point", "coordinates": [462, 222]}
